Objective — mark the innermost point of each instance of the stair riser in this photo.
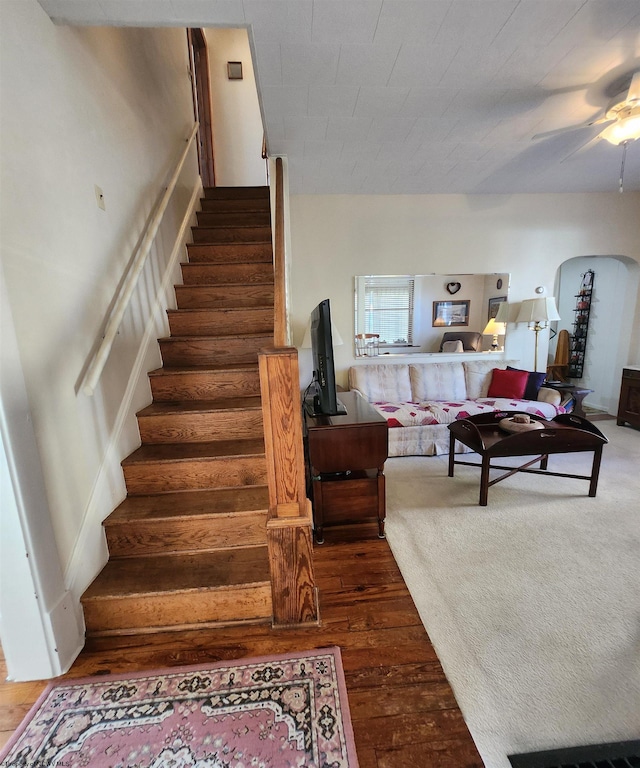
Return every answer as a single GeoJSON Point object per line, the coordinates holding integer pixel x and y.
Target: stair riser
{"type": "Point", "coordinates": [213, 296]}
{"type": "Point", "coordinates": [204, 386]}
{"type": "Point", "coordinates": [234, 219]}
{"type": "Point", "coordinates": [223, 254]}
{"type": "Point", "coordinates": [231, 234]}
{"type": "Point", "coordinates": [236, 193]}
{"type": "Point", "coordinates": [220, 322]}
{"type": "Point", "coordinates": [186, 534]}
{"type": "Point", "coordinates": [200, 427]}
{"type": "Point", "coordinates": [208, 351]}
{"type": "Point", "coordinates": [218, 274]}
{"type": "Point", "coordinates": [166, 476]}
{"type": "Point", "coordinates": [232, 206]}
{"type": "Point", "coordinates": [193, 608]}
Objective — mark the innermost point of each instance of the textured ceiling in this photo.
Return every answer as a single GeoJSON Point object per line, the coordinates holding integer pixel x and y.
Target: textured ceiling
{"type": "Point", "coordinates": [424, 96]}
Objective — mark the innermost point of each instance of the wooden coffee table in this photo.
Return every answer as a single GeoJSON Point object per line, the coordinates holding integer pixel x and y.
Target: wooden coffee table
{"type": "Point", "coordinates": [566, 433]}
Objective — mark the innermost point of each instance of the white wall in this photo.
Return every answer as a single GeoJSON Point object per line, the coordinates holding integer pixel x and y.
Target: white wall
{"type": "Point", "coordinates": [236, 119]}
{"type": "Point", "coordinates": [80, 107]}
{"type": "Point", "coordinates": [336, 237]}
{"type": "Point", "coordinates": [610, 322]}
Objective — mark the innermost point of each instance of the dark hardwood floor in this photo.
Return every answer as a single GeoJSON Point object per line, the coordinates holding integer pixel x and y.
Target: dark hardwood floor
{"type": "Point", "coordinates": [402, 708]}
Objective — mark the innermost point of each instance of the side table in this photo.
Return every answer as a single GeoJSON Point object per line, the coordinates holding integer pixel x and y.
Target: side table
{"type": "Point", "coordinates": [629, 405]}
{"type": "Point", "coordinates": [579, 394]}
{"type": "Point", "coordinates": [345, 464]}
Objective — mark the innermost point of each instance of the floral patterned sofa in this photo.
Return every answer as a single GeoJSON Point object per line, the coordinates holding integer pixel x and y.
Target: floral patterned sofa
{"type": "Point", "coordinates": [420, 400]}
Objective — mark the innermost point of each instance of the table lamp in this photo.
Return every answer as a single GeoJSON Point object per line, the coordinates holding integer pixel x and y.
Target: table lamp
{"type": "Point", "coordinates": [495, 329]}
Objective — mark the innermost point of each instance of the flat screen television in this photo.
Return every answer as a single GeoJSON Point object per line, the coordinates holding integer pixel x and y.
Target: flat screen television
{"type": "Point", "coordinates": [323, 400]}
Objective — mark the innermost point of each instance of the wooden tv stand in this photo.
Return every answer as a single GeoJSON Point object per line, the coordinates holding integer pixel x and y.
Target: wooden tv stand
{"type": "Point", "coordinates": [345, 463]}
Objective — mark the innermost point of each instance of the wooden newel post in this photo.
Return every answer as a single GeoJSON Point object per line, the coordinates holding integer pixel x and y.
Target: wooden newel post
{"type": "Point", "coordinates": [289, 527]}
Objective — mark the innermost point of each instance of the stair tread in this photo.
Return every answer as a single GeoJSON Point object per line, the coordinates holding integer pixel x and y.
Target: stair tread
{"type": "Point", "coordinates": [179, 369]}
{"type": "Point", "coordinates": [260, 189]}
{"type": "Point", "coordinates": [218, 310]}
{"type": "Point", "coordinates": [202, 406]}
{"type": "Point", "coordinates": [179, 504]}
{"type": "Point", "coordinates": [204, 287]}
{"type": "Point", "coordinates": [215, 265]}
{"type": "Point", "coordinates": [211, 336]}
{"type": "Point", "coordinates": [229, 224]}
{"type": "Point", "coordinates": [202, 571]}
{"type": "Point", "coordinates": [159, 452]}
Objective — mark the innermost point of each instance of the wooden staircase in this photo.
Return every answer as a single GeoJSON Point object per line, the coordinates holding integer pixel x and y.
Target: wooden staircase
{"type": "Point", "coordinates": [188, 546]}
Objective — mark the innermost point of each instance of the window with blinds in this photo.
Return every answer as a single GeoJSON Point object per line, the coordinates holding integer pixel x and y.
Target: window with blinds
{"type": "Point", "coordinates": [388, 308]}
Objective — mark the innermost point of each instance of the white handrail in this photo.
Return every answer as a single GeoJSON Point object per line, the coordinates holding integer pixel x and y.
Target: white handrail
{"type": "Point", "coordinates": [99, 359]}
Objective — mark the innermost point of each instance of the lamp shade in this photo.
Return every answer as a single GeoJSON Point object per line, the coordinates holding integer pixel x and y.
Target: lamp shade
{"type": "Point", "coordinates": [494, 328]}
{"type": "Point", "coordinates": [502, 315]}
{"type": "Point", "coordinates": [540, 310]}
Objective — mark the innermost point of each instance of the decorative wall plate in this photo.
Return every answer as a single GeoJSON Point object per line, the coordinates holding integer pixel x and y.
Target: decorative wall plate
{"type": "Point", "coordinates": [454, 287]}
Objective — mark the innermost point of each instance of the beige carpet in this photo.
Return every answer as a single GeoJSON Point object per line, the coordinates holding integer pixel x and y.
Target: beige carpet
{"type": "Point", "coordinates": [533, 602]}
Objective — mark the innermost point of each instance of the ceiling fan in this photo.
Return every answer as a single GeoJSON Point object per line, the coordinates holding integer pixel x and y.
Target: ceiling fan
{"type": "Point", "coordinates": [622, 119]}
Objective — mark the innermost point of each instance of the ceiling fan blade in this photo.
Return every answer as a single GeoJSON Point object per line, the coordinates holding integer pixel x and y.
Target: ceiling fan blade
{"type": "Point", "coordinates": [583, 147]}
{"type": "Point", "coordinates": [634, 88]}
{"type": "Point", "coordinates": [566, 129]}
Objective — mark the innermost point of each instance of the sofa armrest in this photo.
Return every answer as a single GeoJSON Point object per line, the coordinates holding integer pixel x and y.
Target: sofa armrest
{"type": "Point", "coordinates": [548, 395]}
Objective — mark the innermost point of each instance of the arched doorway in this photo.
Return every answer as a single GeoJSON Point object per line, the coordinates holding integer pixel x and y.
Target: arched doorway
{"type": "Point", "coordinates": [610, 342]}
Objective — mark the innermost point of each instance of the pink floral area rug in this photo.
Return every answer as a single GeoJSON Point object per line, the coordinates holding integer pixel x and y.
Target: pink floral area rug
{"type": "Point", "coordinates": [288, 711]}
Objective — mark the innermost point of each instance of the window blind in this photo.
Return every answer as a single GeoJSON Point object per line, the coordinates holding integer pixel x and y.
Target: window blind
{"type": "Point", "coordinates": [389, 308]}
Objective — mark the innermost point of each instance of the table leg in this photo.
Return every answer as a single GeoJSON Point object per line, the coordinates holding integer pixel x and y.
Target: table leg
{"type": "Point", "coordinates": [578, 408]}
{"type": "Point", "coordinates": [452, 445]}
{"type": "Point", "coordinates": [484, 481]}
{"type": "Point", "coordinates": [544, 460]}
{"type": "Point", "coordinates": [318, 522]}
{"type": "Point", "coordinates": [381, 504]}
{"type": "Point", "coordinates": [595, 470]}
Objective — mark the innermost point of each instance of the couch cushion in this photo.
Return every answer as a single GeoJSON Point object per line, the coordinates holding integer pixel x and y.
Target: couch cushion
{"type": "Point", "coordinates": [379, 383]}
{"type": "Point", "coordinates": [448, 411]}
{"type": "Point", "coordinates": [534, 382]}
{"type": "Point", "coordinates": [537, 407]}
{"type": "Point", "coordinates": [477, 375]}
{"type": "Point", "coordinates": [508, 383]}
{"type": "Point", "coordinates": [437, 381]}
{"type": "Point", "coordinates": [405, 414]}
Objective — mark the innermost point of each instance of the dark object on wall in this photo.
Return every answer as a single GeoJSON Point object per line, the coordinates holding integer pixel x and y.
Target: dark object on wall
{"type": "Point", "coordinates": [234, 70]}
{"type": "Point", "coordinates": [581, 326]}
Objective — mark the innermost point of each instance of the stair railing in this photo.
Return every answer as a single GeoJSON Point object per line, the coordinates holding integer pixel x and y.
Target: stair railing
{"type": "Point", "coordinates": [289, 523]}
{"type": "Point", "coordinates": [280, 297]}
{"type": "Point", "coordinates": [128, 284]}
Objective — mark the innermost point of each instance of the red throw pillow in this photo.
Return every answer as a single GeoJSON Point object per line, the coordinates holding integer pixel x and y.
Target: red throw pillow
{"type": "Point", "coordinates": [509, 384]}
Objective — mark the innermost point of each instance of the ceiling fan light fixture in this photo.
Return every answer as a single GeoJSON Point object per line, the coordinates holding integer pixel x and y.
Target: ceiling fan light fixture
{"type": "Point", "coordinates": [624, 129]}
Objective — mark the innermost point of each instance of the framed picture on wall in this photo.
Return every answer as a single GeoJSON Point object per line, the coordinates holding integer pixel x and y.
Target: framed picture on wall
{"type": "Point", "coordinates": [493, 306]}
{"type": "Point", "coordinates": [449, 313]}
